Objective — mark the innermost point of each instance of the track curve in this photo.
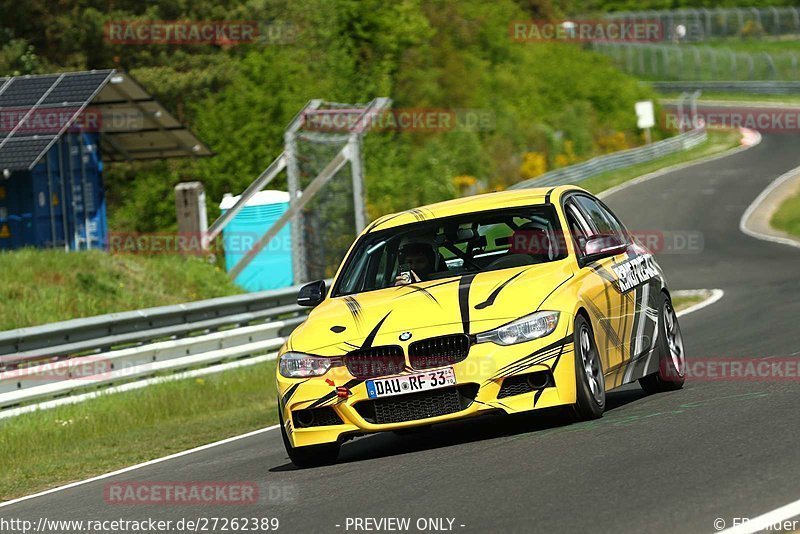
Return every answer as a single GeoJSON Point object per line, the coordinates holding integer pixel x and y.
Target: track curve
{"type": "Point", "coordinates": [665, 463]}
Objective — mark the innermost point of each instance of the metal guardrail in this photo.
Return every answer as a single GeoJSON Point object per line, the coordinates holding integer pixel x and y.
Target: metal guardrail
{"type": "Point", "coordinates": [60, 359]}
{"type": "Point", "coordinates": [767, 87]}
{"type": "Point", "coordinates": [105, 332]}
{"type": "Point", "coordinates": [618, 160]}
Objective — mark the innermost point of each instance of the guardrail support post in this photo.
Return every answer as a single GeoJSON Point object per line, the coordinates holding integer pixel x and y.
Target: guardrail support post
{"type": "Point", "coordinates": [190, 204]}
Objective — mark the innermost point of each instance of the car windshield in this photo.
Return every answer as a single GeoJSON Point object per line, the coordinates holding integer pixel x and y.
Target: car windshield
{"type": "Point", "coordinates": [453, 246]}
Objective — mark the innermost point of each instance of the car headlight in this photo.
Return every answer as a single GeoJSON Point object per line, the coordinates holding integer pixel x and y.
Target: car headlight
{"type": "Point", "coordinates": [526, 328]}
{"type": "Point", "coordinates": [300, 365]}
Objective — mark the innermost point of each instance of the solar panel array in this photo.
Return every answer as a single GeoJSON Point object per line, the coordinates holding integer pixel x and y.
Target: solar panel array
{"type": "Point", "coordinates": [36, 110]}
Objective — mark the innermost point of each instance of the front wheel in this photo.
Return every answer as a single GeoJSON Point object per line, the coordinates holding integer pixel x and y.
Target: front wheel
{"type": "Point", "coordinates": [672, 360]}
{"type": "Point", "coordinates": [590, 383]}
{"type": "Point", "coordinates": [310, 456]}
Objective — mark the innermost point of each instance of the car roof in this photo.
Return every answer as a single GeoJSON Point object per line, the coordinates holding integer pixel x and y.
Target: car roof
{"type": "Point", "coordinates": [476, 203]}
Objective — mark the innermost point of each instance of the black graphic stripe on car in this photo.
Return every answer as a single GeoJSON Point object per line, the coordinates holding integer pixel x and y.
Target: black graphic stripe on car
{"type": "Point", "coordinates": [554, 355]}
{"type": "Point", "coordinates": [463, 299]}
{"type": "Point", "coordinates": [355, 309]}
{"type": "Point", "coordinates": [545, 353]}
{"type": "Point", "coordinates": [370, 339]}
{"type": "Point", "coordinates": [289, 393]}
{"type": "Point", "coordinates": [490, 301]}
{"type": "Point", "coordinates": [418, 289]}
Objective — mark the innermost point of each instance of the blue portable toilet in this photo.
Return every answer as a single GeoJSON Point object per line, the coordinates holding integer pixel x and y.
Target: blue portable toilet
{"type": "Point", "coordinates": [272, 267]}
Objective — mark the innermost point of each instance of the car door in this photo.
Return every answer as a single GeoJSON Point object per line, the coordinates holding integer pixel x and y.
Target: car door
{"type": "Point", "coordinates": [611, 308]}
{"type": "Point", "coordinates": [637, 285]}
{"type": "Point", "coordinates": [596, 283]}
{"type": "Point", "coordinates": [640, 281]}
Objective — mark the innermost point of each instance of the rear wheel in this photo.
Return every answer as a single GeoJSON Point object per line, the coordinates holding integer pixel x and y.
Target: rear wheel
{"type": "Point", "coordinates": [310, 456]}
{"type": "Point", "coordinates": [672, 363]}
{"type": "Point", "coordinates": [590, 384]}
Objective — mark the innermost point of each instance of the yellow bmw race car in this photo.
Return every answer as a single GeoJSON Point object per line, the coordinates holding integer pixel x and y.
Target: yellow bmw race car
{"type": "Point", "coordinates": [505, 302]}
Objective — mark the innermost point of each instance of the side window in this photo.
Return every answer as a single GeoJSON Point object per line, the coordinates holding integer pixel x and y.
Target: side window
{"type": "Point", "coordinates": [603, 222]}
{"type": "Point", "coordinates": [578, 227]}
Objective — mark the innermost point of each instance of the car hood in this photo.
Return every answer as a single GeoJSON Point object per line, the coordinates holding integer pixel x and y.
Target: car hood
{"type": "Point", "coordinates": [468, 303]}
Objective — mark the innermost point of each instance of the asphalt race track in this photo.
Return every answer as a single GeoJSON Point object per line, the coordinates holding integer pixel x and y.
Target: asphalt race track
{"type": "Point", "coordinates": [673, 462]}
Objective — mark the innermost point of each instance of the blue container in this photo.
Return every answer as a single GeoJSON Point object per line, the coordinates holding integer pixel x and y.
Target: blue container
{"type": "Point", "coordinates": [61, 194]}
{"type": "Point", "coordinates": [272, 267]}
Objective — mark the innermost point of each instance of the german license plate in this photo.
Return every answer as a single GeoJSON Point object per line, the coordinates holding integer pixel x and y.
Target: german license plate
{"type": "Point", "coordinates": [400, 385]}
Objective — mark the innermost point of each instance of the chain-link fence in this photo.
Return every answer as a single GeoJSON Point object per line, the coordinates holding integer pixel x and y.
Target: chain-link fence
{"type": "Point", "coordinates": [677, 62]}
{"type": "Point", "coordinates": [328, 221]}
{"type": "Point", "coordinates": [680, 25]}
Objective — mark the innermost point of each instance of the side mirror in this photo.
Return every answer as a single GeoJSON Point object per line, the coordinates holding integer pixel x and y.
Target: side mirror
{"type": "Point", "coordinates": [604, 246]}
{"type": "Point", "coordinates": [311, 294]}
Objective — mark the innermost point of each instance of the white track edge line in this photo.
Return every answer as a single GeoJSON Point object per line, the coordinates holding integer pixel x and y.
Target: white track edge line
{"type": "Point", "coordinates": [779, 181]}
{"type": "Point", "coordinates": [765, 521]}
{"type": "Point", "coordinates": [716, 295]}
{"type": "Point", "coordinates": [139, 466]}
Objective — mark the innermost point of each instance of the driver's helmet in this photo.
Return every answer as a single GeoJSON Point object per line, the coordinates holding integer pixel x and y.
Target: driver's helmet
{"type": "Point", "coordinates": [421, 247]}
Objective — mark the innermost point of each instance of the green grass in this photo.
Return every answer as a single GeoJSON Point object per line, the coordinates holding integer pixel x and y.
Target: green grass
{"type": "Point", "coordinates": [739, 97]}
{"type": "Point", "coordinates": [52, 447]}
{"type": "Point", "coordinates": [772, 45]}
{"type": "Point", "coordinates": [43, 286]}
{"type": "Point", "coordinates": [718, 141]}
{"type": "Point", "coordinates": [680, 302]}
{"type": "Point", "coordinates": [787, 218]}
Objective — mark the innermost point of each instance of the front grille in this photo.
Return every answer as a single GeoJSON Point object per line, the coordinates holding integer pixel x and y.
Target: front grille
{"type": "Point", "coordinates": [415, 406]}
{"type": "Point", "coordinates": [527, 383]}
{"type": "Point", "coordinates": [376, 361]}
{"type": "Point", "coordinates": [316, 417]}
{"type": "Point", "coordinates": [438, 351]}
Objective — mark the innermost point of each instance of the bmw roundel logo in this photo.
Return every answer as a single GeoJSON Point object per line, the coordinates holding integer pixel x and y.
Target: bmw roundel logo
{"type": "Point", "coordinates": [405, 336]}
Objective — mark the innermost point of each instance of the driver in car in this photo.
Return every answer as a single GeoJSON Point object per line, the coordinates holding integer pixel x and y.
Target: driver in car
{"type": "Point", "coordinates": [417, 262]}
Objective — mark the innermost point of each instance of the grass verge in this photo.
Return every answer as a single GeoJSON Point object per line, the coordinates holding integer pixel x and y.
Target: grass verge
{"type": "Point", "coordinates": [787, 218]}
{"type": "Point", "coordinates": [750, 98]}
{"type": "Point", "coordinates": [718, 141]}
{"type": "Point", "coordinates": [44, 286]}
{"type": "Point", "coordinates": [682, 302]}
{"type": "Point", "coordinates": [44, 449]}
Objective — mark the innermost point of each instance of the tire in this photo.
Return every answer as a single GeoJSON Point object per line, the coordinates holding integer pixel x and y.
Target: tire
{"type": "Point", "coordinates": [590, 385]}
{"type": "Point", "coordinates": [311, 456]}
{"type": "Point", "coordinates": [671, 372]}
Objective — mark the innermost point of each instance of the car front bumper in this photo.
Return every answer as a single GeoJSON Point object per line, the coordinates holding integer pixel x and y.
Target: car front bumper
{"type": "Point", "coordinates": [336, 405]}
